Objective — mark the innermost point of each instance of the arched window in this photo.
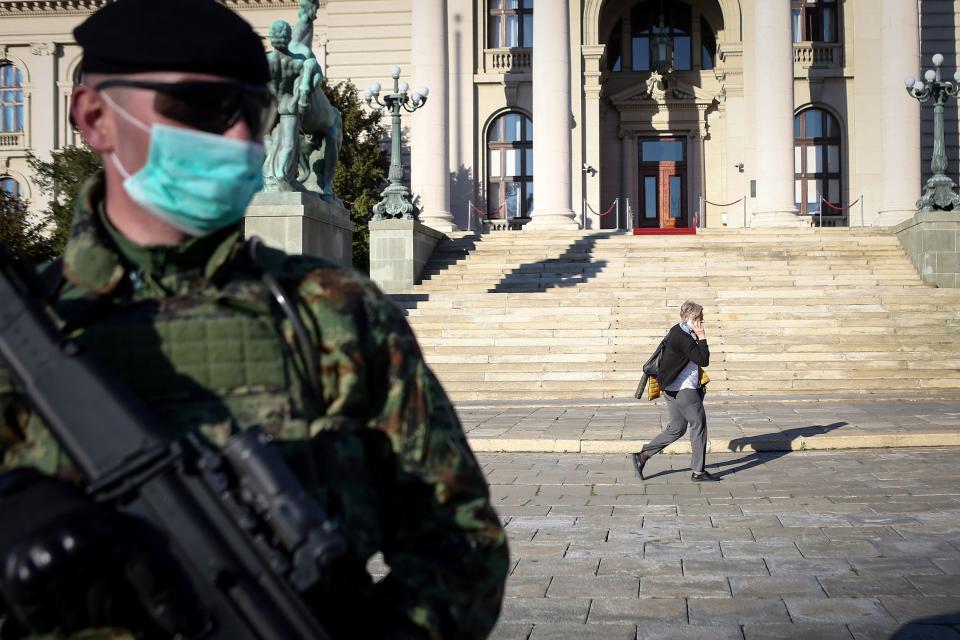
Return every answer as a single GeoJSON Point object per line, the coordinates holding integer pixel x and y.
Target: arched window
{"type": "Point", "coordinates": [708, 45]}
{"type": "Point", "coordinates": [814, 20]}
{"type": "Point", "coordinates": [511, 23]}
{"type": "Point", "coordinates": [11, 98]}
{"type": "Point", "coordinates": [644, 23]}
{"type": "Point", "coordinates": [10, 185]}
{"type": "Point", "coordinates": [817, 169]}
{"type": "Point", "coordinates": [510, 166]}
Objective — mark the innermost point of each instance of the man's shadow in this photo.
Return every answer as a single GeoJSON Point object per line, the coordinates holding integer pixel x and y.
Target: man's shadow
{"type": "Point", "coordinates": [766, 447]}
{"type": "Point", "coordinates": [940, 626]}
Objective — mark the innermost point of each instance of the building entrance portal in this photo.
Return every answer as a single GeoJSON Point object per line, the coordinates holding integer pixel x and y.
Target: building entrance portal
{"type": "Point", "coordinates": [663, 183]}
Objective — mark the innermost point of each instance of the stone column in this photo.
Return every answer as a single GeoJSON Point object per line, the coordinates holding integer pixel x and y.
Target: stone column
{"type": "Point", "coordinates": [899, 113]}
{"type": "Point", "coordinates": [592, 57]}
{"type": "Point", "coordinates": [627, 148]}
{"type": "Point", "coordinates": [44, 111]}
{"type": "Point", "coordinates": [430, 148]}
{"type": "Point", "coordinates": [773, 115]}
{"type": "Point", "coordinates": [552, 173]}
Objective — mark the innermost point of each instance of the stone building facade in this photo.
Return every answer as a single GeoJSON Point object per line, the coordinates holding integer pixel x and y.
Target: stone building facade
{"type": "Point", "coordinates": [546, 112]}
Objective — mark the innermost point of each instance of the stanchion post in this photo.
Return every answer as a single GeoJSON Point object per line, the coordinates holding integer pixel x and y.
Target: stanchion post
{"type": "Point", "coordinates": [618, 213]}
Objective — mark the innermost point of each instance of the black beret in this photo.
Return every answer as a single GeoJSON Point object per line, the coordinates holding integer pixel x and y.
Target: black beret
{"type": "Point", "coordinates": [198, 36]}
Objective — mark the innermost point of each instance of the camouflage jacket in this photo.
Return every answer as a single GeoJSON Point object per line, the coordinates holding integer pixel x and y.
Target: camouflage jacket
{"type": "Point", "coordinates": [193, 331]}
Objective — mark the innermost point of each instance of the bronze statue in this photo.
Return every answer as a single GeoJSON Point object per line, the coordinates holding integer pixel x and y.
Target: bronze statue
{"type": "Point", "coordinates": [302, 148]}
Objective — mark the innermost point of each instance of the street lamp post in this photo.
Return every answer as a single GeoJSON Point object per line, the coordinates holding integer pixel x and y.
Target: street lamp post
{"type": "Point", "coordinates": [939, 194]}
{"type": "Point", "coordinates": [396, 198]}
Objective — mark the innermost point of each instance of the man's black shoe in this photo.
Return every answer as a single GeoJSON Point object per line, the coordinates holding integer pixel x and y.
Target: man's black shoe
{"type": "Point", "coordinates": [639, 460]}
{"type": "Point", "coordinates": [706, 476]}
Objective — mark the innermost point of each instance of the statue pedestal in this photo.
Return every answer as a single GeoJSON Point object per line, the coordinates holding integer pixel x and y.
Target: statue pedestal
{"type": "Point", "coordinates": [932, 240]}
{"type": "Point", "coordinates": [399, 249]}
{"type": "Point", "coordinates": [302, 223]}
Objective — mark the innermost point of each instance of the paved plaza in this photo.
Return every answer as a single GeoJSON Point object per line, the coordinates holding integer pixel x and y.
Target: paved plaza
{"type": "Point", "coordinates": [814, 544]}
{"type": "Point", "coordinates": [735, 424]}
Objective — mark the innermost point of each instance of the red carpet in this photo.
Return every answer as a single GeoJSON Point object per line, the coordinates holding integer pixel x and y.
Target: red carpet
{"type": "Point", "coordinates": [683, 231]}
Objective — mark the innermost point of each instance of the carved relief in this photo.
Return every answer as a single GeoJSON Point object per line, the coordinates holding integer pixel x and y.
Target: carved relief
{"type": "Point", "coordinates": [43, 48]}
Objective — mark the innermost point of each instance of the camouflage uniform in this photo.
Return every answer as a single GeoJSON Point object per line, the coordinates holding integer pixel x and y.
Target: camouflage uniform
{"type": "Point", "coordinates": [195, 333]}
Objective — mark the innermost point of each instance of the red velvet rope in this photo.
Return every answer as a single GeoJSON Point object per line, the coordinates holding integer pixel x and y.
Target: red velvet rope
{"type": "Point", "coordinates": [607, 212]}
{"type": "Point", "coordinates": [729, 204]}
{"type": "Point", "coordinates": [835, 207]}
{"type": "Point", "coordinates": [487, 214]}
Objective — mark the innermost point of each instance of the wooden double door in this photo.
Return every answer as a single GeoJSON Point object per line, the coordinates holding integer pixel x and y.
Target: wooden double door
{"type": "Point", "coordinates": [663, 183]}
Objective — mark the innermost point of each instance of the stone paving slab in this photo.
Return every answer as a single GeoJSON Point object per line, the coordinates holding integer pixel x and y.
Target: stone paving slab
{"type": "Point", "coordinates": [812, 544]}
{"type": "Point", "coordinates": [606, 426]}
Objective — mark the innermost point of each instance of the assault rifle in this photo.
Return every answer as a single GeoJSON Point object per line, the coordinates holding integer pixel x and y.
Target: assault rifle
{"type": "Point", "coordinates": [247, 535]}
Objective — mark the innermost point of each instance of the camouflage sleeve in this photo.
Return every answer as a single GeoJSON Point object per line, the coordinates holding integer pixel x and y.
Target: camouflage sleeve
{"type": "Point", "coordinates": [12, 418]}
{"type": "Point", "coordinates": [441, 538]}
{"type": "Point", "coordinates": [446, 549]}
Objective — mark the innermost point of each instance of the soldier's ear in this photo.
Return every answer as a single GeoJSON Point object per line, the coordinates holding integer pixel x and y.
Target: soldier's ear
{"type": "Point", "coordinates": [87, 113]}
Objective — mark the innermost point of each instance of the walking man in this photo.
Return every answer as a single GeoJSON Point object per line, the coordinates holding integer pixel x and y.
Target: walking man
{"type": "Point", "coordinates": [684, 356]}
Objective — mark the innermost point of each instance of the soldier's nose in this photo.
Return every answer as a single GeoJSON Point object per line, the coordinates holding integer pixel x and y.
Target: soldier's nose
{"type": "Point", "coordinates": [240, 131]}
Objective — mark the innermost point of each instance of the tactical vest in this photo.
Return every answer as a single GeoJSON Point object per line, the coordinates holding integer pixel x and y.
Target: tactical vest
{"type": "Point", "coordinates": [214, 359]}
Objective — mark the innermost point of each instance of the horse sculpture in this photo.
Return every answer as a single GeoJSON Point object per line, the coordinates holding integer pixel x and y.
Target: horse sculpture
{"type": "Point", "coordinates": [303, 146]}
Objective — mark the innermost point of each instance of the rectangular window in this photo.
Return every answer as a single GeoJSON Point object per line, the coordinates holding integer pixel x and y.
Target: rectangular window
{"type": "Point", "coordinates": [814, 159]}
{"type": "Point", "coordinates": [527, 30]}
{"type": "Point", "coordinates": [528, 162]}
{"type": "Point", "coordinates": [661, 151]}
{"type": "Point", "coordinates": [512, 199]}
{"type": "Point", "coordinates": [528, 205]}
{"type": "Point", "coordinates": [833, 158]}
{"type": "Point", "coordinates": [495, 162]}
{"type": "Point", "coordinates": [650, 197]}
{"type": "Point", "coordinates": [512, 123]}
{"type": "Point", "coordinates": [676, 196]}
{"type": "Point", "coordinates": [797, 159]}
{"type": "Point", "coordinates": [512, 35]}
{"type": "Point", "coordinates": [493, 29]}
{"type": "Point", "coordinates": [512, 165]}
{"type": "Point", "coordinates": [798, 193]}
{"type": "Point", "coordinates": [813, 195]}
{"type": "Point", "coordinates": [682, 60]}
{"type": "Point", "coordinates": [493, 201]}
{"type": "Point", "coordinates": [813, 124]}
{"type": "Point", "coordinates": [796, 24]}
{"type": "Point", "coordinates": [834, 192]}
{"type": "Point", "coordinates": [641, 53]}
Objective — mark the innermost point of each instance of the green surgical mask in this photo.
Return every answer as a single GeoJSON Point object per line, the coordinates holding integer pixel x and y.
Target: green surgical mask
{"type": "Point", "coordinates": [196, 181]}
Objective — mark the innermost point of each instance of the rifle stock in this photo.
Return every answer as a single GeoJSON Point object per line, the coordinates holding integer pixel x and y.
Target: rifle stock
{"type": "Point", "coordinates": [248, 582]}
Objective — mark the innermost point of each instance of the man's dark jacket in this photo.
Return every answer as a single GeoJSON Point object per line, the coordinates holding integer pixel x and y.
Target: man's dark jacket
{"type": "Point", "coordinates": [680, 349]}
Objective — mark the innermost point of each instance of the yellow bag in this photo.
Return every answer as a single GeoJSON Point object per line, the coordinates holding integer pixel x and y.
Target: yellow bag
{"type": "Point", "coordinates": [704, 378]}
{"type": "Point", "coordinates": [653, 388]}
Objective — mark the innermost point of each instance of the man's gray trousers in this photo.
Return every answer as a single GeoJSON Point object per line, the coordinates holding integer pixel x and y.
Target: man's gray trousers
{"type": "Point", "coordinates": [685, 408]}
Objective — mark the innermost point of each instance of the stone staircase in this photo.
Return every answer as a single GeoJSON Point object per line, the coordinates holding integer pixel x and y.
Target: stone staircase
{"type": "Point", "coordinates": [788, 312]}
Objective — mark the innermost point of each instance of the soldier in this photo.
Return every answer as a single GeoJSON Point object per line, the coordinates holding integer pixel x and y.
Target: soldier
{"type": "Point", "coordinates": [159, 285]}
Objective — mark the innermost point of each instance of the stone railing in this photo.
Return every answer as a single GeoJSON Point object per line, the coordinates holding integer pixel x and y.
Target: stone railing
{"type": "Point", "coordinates": [10, 140]}
{"type": "Point", "coordinates": [508, 60]}
{"type": "Point", "coordinates": [816, 54]}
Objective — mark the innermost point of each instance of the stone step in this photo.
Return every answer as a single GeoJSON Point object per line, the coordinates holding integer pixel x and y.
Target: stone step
{"type": "Point", "coordinates": [574, 314]}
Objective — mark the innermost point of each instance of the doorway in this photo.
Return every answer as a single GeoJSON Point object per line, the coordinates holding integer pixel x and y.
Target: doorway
{"type": "Point", "coordinates": [663, 183]}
